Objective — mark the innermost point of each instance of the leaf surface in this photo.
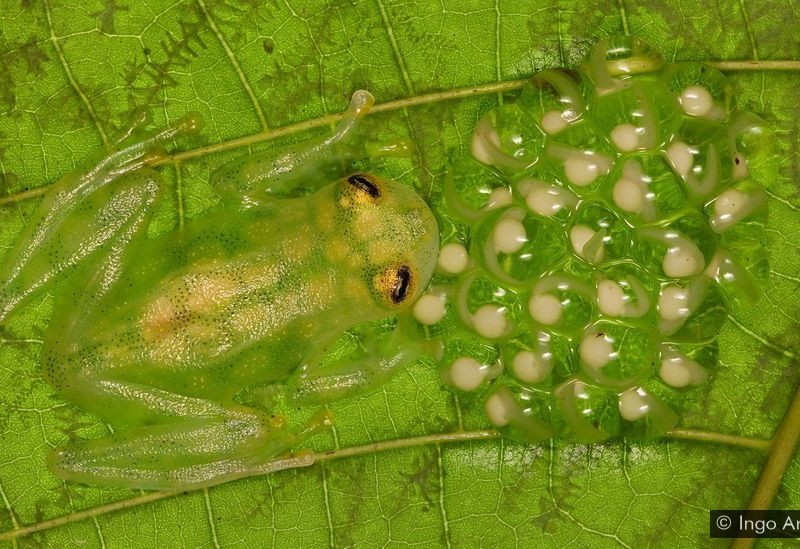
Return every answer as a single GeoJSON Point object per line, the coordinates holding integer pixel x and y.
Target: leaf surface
{"type": "Point", "coordinates": [72, 74]}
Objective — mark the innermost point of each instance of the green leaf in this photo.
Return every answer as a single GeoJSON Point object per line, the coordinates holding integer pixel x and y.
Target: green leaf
{"type": "Point", "coordinates": [72, 74]}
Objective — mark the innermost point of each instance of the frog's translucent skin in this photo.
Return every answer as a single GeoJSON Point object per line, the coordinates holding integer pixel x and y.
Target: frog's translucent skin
{"type": "Point", "coordinates": [635, 225]}
{"type": "Point", "coordinates": [157, 336]}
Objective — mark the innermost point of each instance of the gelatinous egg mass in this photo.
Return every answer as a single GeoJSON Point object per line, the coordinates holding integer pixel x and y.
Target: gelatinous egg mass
{"type": "Point", "coordinates": [609, 220]}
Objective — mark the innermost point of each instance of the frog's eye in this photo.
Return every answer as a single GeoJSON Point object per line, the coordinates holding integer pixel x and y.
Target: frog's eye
{"type": "Point", "coordinates": [402, 284]}
{"type": "Point", "coordinates": [365, 183]}
{"type": "Point", "coordinates": [396, 284]}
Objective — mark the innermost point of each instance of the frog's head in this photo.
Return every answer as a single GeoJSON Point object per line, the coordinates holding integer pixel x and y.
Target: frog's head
{"type": "Point", "coordinates": [393, 234]}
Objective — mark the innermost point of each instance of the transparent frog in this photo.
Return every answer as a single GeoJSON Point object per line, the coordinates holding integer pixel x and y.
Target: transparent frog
{"type": "Point", "coordinates": [158, 336]}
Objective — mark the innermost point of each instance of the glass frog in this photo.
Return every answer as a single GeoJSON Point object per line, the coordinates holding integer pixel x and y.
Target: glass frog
{"type": "Point", "coordinates": [157, 336]}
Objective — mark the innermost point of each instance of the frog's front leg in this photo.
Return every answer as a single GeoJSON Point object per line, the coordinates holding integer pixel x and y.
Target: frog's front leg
{"type": "Point", "coordinates": [257, 178]}
{"type": "Point", "coordinates": [320, 380]}
{"type": "Point", "coordinates": [82, 214]}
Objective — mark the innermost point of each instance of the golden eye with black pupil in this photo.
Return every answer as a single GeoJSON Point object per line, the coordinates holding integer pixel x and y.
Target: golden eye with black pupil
{"type": "Point", "coordinates": [364, 183]}
{"type": "Point", "coordinates": [395, 284]}
{"type": "Point", "coordinates": [401, 284]}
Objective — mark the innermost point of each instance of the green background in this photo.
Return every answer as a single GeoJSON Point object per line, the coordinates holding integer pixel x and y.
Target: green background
{"type": "Point", "coordinates": [70, 77]}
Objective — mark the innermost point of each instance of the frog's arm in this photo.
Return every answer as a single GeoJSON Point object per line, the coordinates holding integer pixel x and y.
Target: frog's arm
{"type": "Point", "coordinates": [84, 213]}
{"type": "Point", "coordinates": [305, 167]}
{"type": "Point", "coordinates": [319, 381]}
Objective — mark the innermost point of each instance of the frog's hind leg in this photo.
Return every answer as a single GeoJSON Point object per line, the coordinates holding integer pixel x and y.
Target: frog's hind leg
{"type": "Point", "coordinates": [82, 214]}
{"type": "Point", "coordinates": [187, 453]}
{"type": "Point", "coordinates": [162, 439]}
{"type": "Point", "coordinates": [104, 225]}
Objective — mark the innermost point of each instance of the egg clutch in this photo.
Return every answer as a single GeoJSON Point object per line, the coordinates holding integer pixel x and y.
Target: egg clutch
{"type": "Point", "coordinates": [608, 222]}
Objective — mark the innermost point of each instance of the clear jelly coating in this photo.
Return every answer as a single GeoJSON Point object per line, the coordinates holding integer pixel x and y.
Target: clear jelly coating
{"type": "Point", "coordinates": [608, 222]}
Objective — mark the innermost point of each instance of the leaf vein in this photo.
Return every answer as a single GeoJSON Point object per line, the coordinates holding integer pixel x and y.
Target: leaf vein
{"type": "Point", "coordinates": [748, 25]}
{"type": "Point", "coordinates": [232, 58]}
{"type": "Point", "coordinates": [72, 82]}
{"type": "Point", "coordinates": [326, 498]}
{"type": "Point", "coordinates": [210, 515]}
{"type": "Point", "coordinates": [761, 339]}
{"type": "Point", "coordinates": [442, 508]}
{"type": "Point", "coordinates": [395, 48]}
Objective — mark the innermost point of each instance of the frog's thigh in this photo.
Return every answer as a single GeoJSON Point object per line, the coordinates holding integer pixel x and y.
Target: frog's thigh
{"type": "Point", "coordinates": [103, 226]}
{"type": "Point", "coordinates": [188, 452]}
{"type": "Point", "coordinates": [114, 219]}
{"type": "Point", "coordinates": [163, 439]}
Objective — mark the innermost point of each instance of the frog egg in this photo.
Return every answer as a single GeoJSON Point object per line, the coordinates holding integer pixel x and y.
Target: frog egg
{"type": "Point", "coordinates": [679, 371]}
{"type": "Point", "coordinates": [681, 157]}
{"type": "Point", "coordinates": [587, 243]}
{"type": "Point", "coordinates": [485, 306]}
{"type": "Point", "coordinates": [508, 138]}
{"type": "Point", "coordinates": [466, 187]}
{"type": "Point", "coordinates": [499, 408]}
{"type": "Point", "coordinates": [626, 137]}
{"type": "Point", "coordinates": [676, 303]}
{"type": "Point", "coordinates": [728, 208]}
{"type": "Point", "coordinates": [429, 309]}
{"type": "Point", "coordinates": [509, 235]}
{"type": "Point", "coordinates": [754, 147]}
{"type": "Point", "coordinates": [673, 303]}
{"type": "Point", "coordinates": [517, 415]}
{"type": "Point", "coordinates": [633, 405]}
{"type": "Point", "coordinates": [650, 418]}
{"type": "Point", "coordinates": [647, 189]}
{"type": "Point", "coordinates": [581, 167]}
{"type": "Point", "coordinates": [585, 412]}
{"type": "Point", "coordinates": [554, 98]}
{"type": "Point", "coordinates": [490, 321]}
{"type": "Point", "coordinates": [467, 374]}
{"type": "Point", "coordinates": [610, 298]}
{"type": "Point", "coordinates": [545, 199]}
{"type": "Point", "coordinates": [453, 258]}
{"type": "Point", "coordinates": [615, 57]}
{"type": "Point", "coordinates": [597, 350]}
{"type": "Point", "coordinates": [733, 279]}
{"type": "Point", "coordinates": [515, 246]}
{"type": "Point", "coordinates": [530, 367]}
{"type": "Point", "coordinates": [628, 195]}
{"type": "Point", "coordinates": [691, 312]}
{"type": "Point", "coordinates": [562, 302]}
{"type": "Point", "coordinates": [683, 259]}
{"type": "Point", "coordinates": [553, 122]}
{"type": "Point", "coordinates": [731, 207]}
{"type": "Point", "coordinates": [599, 234]}
{"type": "Point", "coordinates": [623, 294]}
{"type": "Point", "coordinates": [545, 309]}
{"type": "Point", "coordinates": [616, 356]}
{"type": "Point", "coordinates": [499, 197]}
{"type": "Point", "coordinates": [696, 101]}
{"type": "Point", "coordinates": [583, 170]}
{"type": "Point", "coordinates": [485, 143]}
{"type": "Point", "coordinates": [710, 148]}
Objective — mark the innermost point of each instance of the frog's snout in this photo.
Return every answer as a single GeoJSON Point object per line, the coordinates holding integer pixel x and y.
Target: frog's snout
{"type": "Point", "coordinates": [427, 246]}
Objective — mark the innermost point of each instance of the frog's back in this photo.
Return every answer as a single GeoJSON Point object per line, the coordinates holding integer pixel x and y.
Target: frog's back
{"type": "Point", "coordinates": [239, 299]}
